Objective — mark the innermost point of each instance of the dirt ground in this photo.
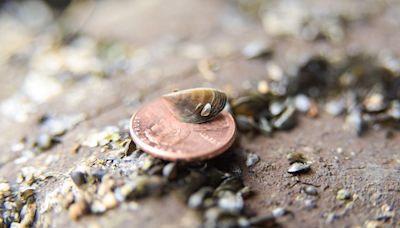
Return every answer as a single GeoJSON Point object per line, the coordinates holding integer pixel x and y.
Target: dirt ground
{"type": "Point", "coordinates": [172, 33]}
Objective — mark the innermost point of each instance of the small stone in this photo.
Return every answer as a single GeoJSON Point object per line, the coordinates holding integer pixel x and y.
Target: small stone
{"type": "Point", "coordinates": [331, 217]}
{"type": "Point", "coordinates": [29, 179]}
{"type": "Point", "coordinates": [79, 178]}
{"type": "Point", "coordinates": [313, 110]}
{"type": "Point", "coordinates": [373, 224]}
{"type": "Point", "coordinates": [302, 103]}
{"type": "Point", "coordinates": [252, 159]}
{"type": "Point", "coordinates": [5, 189]}
{"type": "Point", "coordinates": [197, 198]}
{"type": "Point", "coordinates": [44, 141]}
{"type": "Point", "coordinates": [354, 122]}
{"type": "Point", "coordinates": [97, 207]}
{"type": "Point", "coordinates": [15, 225]}
{"type": "Point", "coordinates": [374, 102]}
{"type": "Point", "coordinates": [298, 167]}
{"type": "Point", "coordinates": [311, 190]}
{"type": "Point", "coordinates": [123, 192]}
{"type": "Point", "coordinates": [28, 216]}
{"type": "Point", "coordinates": [335, 108]}
{"type": "Point", "coordinates": [53, 126]}
{"type": "Point", "coordinates": [394, 110]}
{"type": "Point", "coordinates": [274, 71]}
{"type": "Point", "coordinates": [263, 87]}
{"type": "Point", "coordinates": [170, 171]}
{"type": "Point", "coordinates": [256, 49]}
{"type": "Point", "coordinates": [243, 222]}
{"type": "Point", "coordinates": [148, 163]}
{"type": "Point", "coordinates": [277, 108]}
{"type": "Point", "coordinates": [343, 194]}
{"type": "Point", "coordinates": [310, 204]}
{"type": "Point", "coordinates": [211, 215]}
{"type": "Point", "coordinates": [76, 148]}
{"type": "Point", "coordinates": [110, 201]}
{"type": "Point", "coordinates": [279, 212]}
{"type": "Point", "coordinates": [78, 209]}
{"type": "Point", "coordinates": [231, 202]}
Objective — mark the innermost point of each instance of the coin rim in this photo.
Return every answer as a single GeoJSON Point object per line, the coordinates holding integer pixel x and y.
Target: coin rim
{"type": "Point", "coordinates": [165, 155]}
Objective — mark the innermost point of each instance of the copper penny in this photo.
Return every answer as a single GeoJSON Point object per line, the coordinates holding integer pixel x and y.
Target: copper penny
{"type": "Point", "coordinates": [155, 130]}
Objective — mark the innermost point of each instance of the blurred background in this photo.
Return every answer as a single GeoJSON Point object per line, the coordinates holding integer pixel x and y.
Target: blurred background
{"type": "Point", "coordinates": [69, 67]}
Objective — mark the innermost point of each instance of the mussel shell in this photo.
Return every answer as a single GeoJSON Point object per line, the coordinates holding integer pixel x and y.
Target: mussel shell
{"type": "Point", "coordinates": [189, 105]}
{"type": "Point", "coordinates": [250, 105]}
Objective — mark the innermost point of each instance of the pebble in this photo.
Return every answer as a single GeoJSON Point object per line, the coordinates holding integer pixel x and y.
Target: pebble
{"type": "Point", "coordinates": [79, 178]}
{"type": "Point", "coordinates": [298, 167]}
{"type": "Point", "coordinates": [354, 121]}
{"type": "Point", "coordinates": [302, 103]}
{"type": "Point", "coordinates": [5, 190]}
{"type": "Point", "coordinates": [373, 224]}
{"type": "Point", "coordinates": [311, 190]}
{"type": "Point", "coordinates": [310, 204]}
{"type": "Point", "coordinates": [110, 201]}
{"type": "Point", "coordinates": [78, 209]}
{"type": "Point", "coordinates": [252, 159]}
{"type": "Point", "coordinates": [53, 126]}
{"type": "Point", "coordinates": [44, 141]}
{"type": "Point", "coordinates": [394, 110]}
{"type": "Point", "coordinates": [263, 87]}
{"type": "Point", "coordinates": [211, 215]}
{"type": "Point", "coordinates": [97, 207]}
{"type": "Point", "coordinates": [277, 108]}
{"type": "Point", "coordinates": [197, 198]}
{"type": "Point", "coordinates": [274, 71]}
{"type": "Point", "coordinates": [170, 171]}
{"type": "Point", "coordinates": [231, 202]}
{"type": "Point", "coordinates": [343, 194]}
{"type": "Point", "coordinates": [335, 108]}
{"type": "Point", "coordinates": [123, 192]}
{"type": "Point", "coordinates": [256, 49]}
{"type": "Point", "coordinates": [279, 212]}
{"type": "Point", "coordinates": [374, 102]}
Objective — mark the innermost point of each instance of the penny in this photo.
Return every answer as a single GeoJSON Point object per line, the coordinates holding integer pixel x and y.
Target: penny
{"type": "Point", "coordinates": [156, 131]}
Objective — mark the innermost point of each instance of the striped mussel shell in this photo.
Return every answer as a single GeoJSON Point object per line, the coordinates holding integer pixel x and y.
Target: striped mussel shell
{"type": "Point", "coordinates": [197, 105]}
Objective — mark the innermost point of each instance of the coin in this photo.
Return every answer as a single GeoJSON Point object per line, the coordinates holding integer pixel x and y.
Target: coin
{"type": "Point", "coordinates": [156, 131]}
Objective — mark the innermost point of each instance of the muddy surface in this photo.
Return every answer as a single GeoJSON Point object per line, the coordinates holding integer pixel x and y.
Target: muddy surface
{"type": "Point", "coordinates": [165, 42]}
